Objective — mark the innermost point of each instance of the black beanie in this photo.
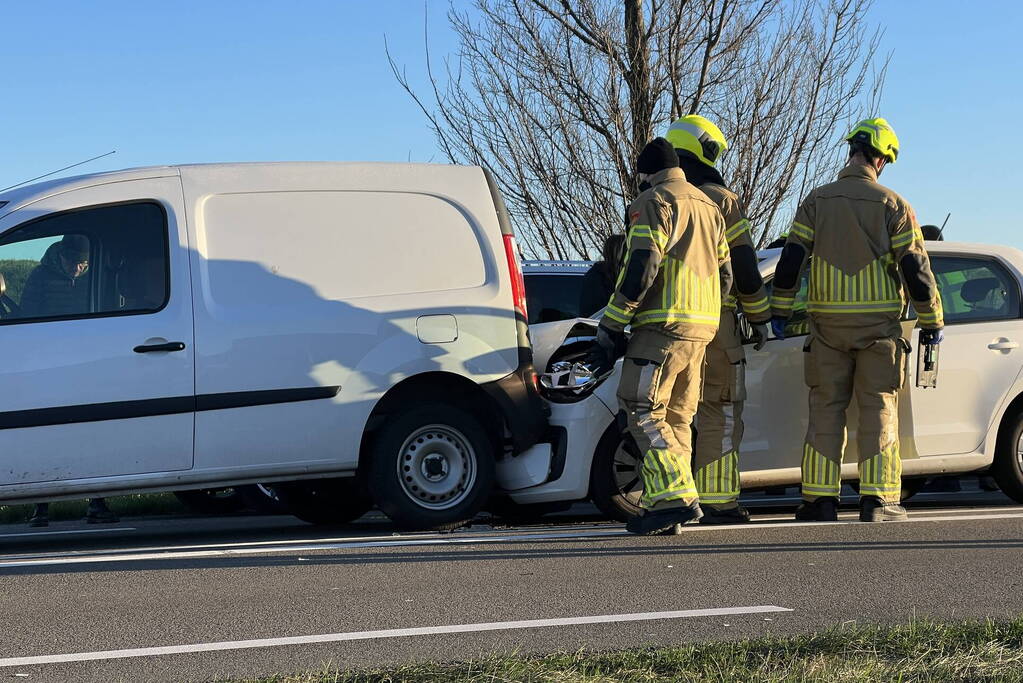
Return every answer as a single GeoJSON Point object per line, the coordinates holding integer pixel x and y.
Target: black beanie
{"type": "Point", "coordinates": [657, 156]}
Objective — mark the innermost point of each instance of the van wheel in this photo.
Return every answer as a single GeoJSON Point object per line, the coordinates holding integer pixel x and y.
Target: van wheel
{"type": "Point", "coordinates": [431, 467]}
{"type": "Point", "coordinates": [1008, 466]}
{"type": "Point", "coordinates": [324, 501]}
{"type": "Point", "coordinates": [616, 481]}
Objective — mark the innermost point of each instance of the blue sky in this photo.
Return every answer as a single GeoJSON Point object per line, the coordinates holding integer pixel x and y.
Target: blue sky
{"type": "Point", "coordinates": [223, 80]}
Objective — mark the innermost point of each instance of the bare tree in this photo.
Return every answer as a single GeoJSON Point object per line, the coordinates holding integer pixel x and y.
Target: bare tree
{"type": "Point", "coordinates": [557, 98]}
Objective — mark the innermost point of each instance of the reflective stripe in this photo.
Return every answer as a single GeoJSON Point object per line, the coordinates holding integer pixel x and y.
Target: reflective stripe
{"type": "Point", "coordinates": [718, 482]}
{"type": "Point", "coordinates": [881, 475]}
{"type": "Point", "coordinates": [782, 303]}
{"type": "Point", "coordinates": [907, 237]}
{"type": "Point", "coordinates": [874, 289]}
{"type": "Point", "coordinates": [734, 232]}
{"type": "Point", "coordinates": [804, 231]}
{"type": "Point", "coordinates": [617, 314]}
{"type": "Point", "coordinates": [730, 303]}
{"type": "Point", "coordinates": [648, 317]}
{"type": "Point", "coordinates": [758, 306]}
{"type": "Point", "coordinates": [931, 318]}
{"type": "Point", "coordinates": [666, 477]}
{"type": "Point", "coordinates": [873, 307]}
{"type": "Point", "coordinates": [820, 476]}
{"type": "Point", "coordinates": [655, 236]}
{"type": "Point", "coordinates": [722, 250]}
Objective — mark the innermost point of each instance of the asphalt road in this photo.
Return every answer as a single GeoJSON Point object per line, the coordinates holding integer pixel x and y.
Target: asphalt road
{"type": "Point", "coordinates": [223, 593]}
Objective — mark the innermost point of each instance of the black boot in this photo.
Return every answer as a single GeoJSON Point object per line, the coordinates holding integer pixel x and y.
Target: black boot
{"type": "Point", "coordinates": [821, 510]}
{"type": "Point", "coordinates": [873, 509]}
{"type": "Point", "coordinates": [736, 515]}
{"type": "Point", "coordinates": [41, 515]}
{"type": "Point", "coordinates": [99, 513]}
{"type": "Point", "coordinates": [663, 521]}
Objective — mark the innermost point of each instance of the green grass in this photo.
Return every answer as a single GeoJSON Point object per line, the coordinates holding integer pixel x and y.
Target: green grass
{"type": "Point", "coordinates": [921, 651]}
{"type": "Point", "coordinates": [136, 505]}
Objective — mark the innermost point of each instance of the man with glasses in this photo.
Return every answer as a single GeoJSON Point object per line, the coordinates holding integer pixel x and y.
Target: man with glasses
{"type": "Point", "coordinates": [59, 285]}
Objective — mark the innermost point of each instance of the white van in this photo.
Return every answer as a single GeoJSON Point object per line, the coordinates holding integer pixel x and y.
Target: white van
{"type": "Point", "coordinates": [343, 326]}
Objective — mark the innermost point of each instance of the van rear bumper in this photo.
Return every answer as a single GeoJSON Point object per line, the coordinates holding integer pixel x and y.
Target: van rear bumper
{"type": "Point", "coordinates": [520, 404]}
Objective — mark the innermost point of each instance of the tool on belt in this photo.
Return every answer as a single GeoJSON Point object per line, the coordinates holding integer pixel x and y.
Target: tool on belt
{"type": "Point", "coordinates": [927, 364]}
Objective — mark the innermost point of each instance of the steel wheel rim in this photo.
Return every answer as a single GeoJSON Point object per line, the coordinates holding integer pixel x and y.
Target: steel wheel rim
{"type": "Point", "coordinates": [626, 469]}
{"type": "Point", "coordinates": [437, 467]}
{"type": "Point", "coordinates": [1019, 451]}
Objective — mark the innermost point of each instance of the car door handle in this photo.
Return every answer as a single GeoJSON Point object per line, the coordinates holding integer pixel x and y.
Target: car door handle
{"type": "Point", "coordinates": [1003, 345]}
{"type": "Point", "coordinates": [167, 346]}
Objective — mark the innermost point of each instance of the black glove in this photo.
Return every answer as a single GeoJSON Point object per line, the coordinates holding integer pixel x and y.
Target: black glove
{"type": "Point", "coordinates": [607, 348]}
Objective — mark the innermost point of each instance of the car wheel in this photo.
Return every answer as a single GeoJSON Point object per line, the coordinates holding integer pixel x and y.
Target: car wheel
{"type": "Point", "coordinates": [1008, 466]}
{"type": "Point", "coordinates": [616, 482]}
{"type": "Point", "coordinates": [324, 501]}
{"type": "Point", "coordinates": [262, 499]}
{"type": "Point", "coordinates": [431, 467]}
{"type": "Point", "coordinates": [220, 501]}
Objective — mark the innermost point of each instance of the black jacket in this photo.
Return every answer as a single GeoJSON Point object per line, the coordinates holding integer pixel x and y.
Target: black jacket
{"type": "Point", "coordinates": [49, 291]}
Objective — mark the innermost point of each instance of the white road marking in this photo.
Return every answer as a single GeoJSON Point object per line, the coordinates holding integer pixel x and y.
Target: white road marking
{"type": "Point", "coordinates": [385, 633]}
{"type": "Point", "coordinates": [26, 534]}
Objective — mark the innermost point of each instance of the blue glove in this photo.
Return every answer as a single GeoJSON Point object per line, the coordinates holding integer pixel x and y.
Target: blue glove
{"type": "Point", "coordinates": [931, 337]}
{"type": "Point", "coordinates": [778, 326]}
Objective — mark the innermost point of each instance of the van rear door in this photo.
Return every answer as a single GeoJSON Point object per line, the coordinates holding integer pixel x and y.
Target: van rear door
{"type": "Point", "coordinates": [96, 342]}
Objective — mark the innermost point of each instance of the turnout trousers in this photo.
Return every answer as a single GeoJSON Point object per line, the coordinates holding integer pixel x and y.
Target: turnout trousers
{"type": "Point", "coordinates": [659, 392]}
{"type": "Point", "coordinates": [719, 417]}
{"type": "Point", "coordinates": [873, 370]}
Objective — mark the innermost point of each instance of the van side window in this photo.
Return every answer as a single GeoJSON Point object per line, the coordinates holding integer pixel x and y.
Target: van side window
{"type": "Point", "coordinates": [100, 261]}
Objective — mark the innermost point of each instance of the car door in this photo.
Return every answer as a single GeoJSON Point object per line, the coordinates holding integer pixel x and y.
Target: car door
{"type": "Point", "coordinates": [980, 358]}
{"type": "Point", "coordinates": [97, 373]}
{"type": "Point", "coordinates": [775, 413]}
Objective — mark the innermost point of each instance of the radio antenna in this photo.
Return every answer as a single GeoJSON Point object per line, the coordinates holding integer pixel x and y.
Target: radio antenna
{"type": "Point", "coordinates": [941, 230]}
{"type": "Point", "coordinates": [47, 175]}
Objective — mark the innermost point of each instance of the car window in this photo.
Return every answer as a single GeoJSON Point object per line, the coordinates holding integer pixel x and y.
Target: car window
{"type": "Point", "coordinates": [98, 261]}
{"type": "Point", "coordinates": [552, 296]}
{"type": "Point", "coordinates": [975, 289]}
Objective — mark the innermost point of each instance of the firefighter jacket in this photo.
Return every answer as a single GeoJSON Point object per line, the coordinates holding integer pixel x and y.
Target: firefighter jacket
{"type": "Point", "coordinates": [861, 237]}
{"type": "Point", "coordinates": [749, 286]}
{"type": "Point", "coordinates": [677, 266]}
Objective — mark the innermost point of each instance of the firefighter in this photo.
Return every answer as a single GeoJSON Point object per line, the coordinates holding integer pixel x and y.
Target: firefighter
{"type": "Point", "coordinates": [699, 144]}
{"type": "Point", "coordinates": [867, 252]}
{"type": "Point", "coordinates": [669, 290]}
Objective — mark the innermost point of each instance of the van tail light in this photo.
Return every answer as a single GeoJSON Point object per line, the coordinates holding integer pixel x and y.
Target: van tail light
{"type": "Point", "coordinates": [517, 282]}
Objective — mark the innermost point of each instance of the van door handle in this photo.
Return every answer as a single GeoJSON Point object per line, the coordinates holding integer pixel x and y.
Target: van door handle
{"type": "Point", "coordinates": [167, 346]}
{"type": "Point", "coordinates": [1003, 345]}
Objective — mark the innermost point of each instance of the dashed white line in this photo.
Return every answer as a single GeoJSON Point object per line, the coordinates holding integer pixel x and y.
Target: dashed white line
{"type": "Point", "coordinates": [385, 633]}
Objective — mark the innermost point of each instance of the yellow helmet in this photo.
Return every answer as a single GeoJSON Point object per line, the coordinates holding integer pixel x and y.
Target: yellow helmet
{"type": "Point", "coordinates": [699, 137]}
{"type": "Point", "coordinates": [876, 133]}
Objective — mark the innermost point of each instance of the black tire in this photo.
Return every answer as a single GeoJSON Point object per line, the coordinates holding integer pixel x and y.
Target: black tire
{"type": "Point", "coordinates": [263, 499]}
{"type": "Point", "coordinates": [325, 501]}
{"type": "Point", "coordinates": [222, 501]}
{"type": "Point", "coordinates": [910, 486]}
{"type": "Point", "coordinates": [1007, 468]}
{"type": "Point", "coordinates": [615, 476]}
{"type": "Point", "coordinates": [446, 461]}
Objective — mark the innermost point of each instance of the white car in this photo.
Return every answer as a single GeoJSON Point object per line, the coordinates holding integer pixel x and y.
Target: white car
{"type": "Point", "coordinates": [336, 326]}
{"type": "Point", "coordinates": [972, 421]}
